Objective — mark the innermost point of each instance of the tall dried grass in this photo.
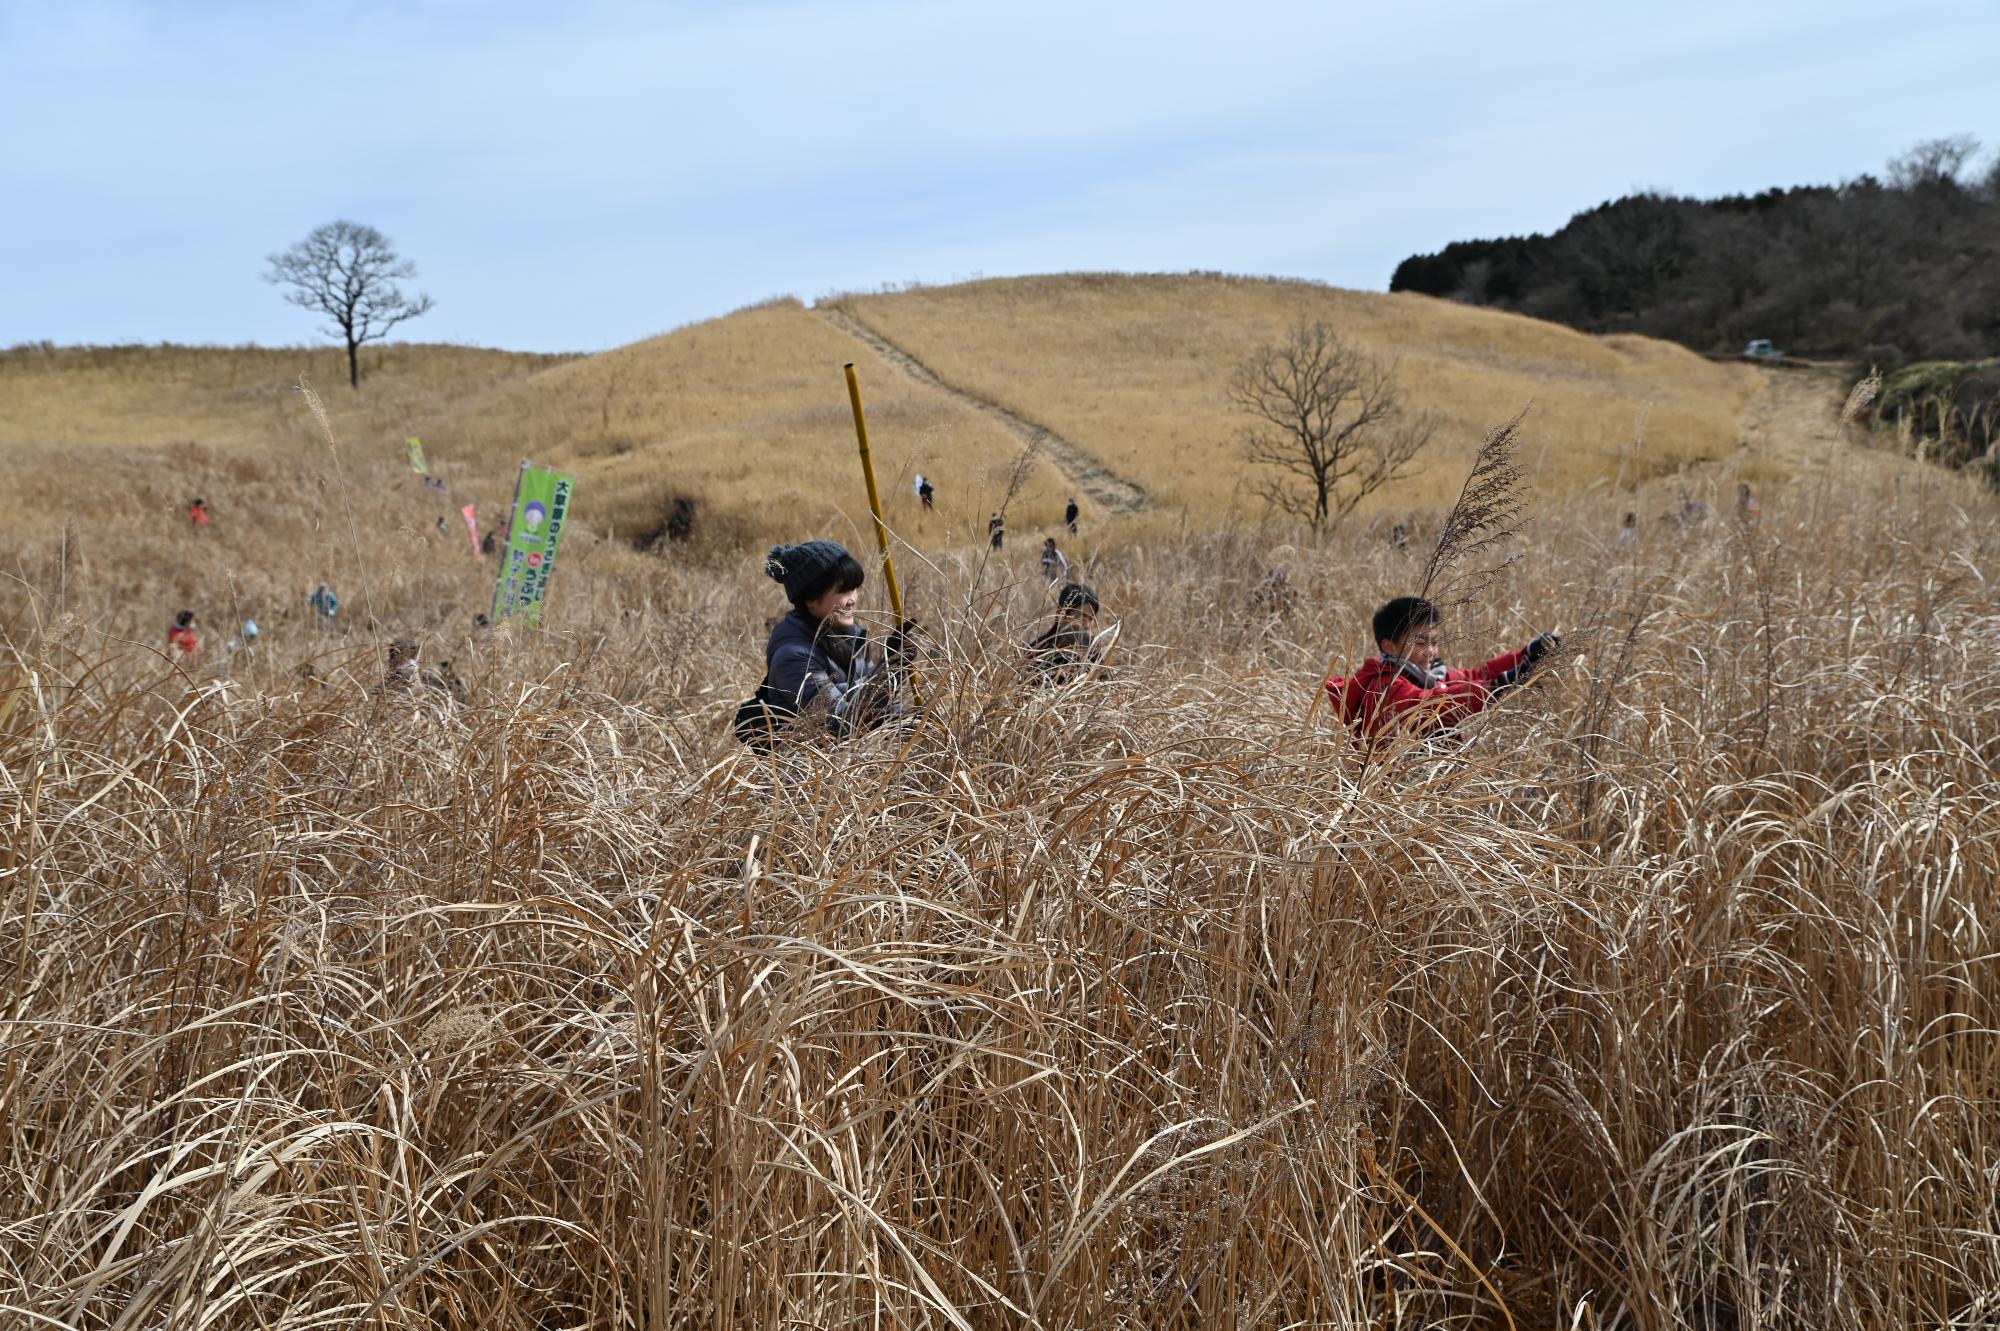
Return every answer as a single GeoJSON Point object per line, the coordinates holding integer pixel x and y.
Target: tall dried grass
{"type": "Point", "coordinates": [1666, 999]}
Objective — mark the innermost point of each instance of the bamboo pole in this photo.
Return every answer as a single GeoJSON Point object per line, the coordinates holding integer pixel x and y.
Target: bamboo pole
{"type": "Point", "coordinates": [874, 498]}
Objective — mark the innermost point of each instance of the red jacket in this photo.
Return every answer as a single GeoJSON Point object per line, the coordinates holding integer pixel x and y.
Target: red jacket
{"type": "Point", "coordinates": [1382, 696]}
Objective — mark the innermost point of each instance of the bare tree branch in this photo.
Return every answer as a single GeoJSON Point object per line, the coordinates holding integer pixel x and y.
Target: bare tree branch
{"type": "Point", "coordinates": [1329, 419]}
{"type": "Point", "coordinates": [348, 272]}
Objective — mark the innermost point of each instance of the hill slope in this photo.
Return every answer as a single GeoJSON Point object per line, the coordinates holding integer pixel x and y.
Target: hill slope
{"type": "Point", "coordinates": [1135, 370]}
{"type": "Point", "coordinates": [1120, 379]}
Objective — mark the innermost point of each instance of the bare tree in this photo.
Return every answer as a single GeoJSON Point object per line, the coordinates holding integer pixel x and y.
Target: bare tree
{"type": "Point", "coordinates": [1933, 162]}
{"type": "Point", "coordinates": [348, 272]}
{"type": "Point", "coordinates": [1329, 420]}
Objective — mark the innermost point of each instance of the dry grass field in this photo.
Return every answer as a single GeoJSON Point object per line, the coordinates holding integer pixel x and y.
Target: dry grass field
{"type": "Point", "coordinates": [1136, 370]}
{"type": "Point", "coordinates": [1664, 997]}
{"type": "Point", "coordinates": [747, 414]}
{"type": "Point", "coordinates": [238, 398]}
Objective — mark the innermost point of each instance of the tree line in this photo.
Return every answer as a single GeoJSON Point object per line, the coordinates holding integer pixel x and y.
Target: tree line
{"type": "Point", "coordinates": [1885, 270]}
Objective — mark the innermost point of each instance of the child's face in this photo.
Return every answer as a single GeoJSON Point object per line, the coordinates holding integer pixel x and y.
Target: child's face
{"type": "Point", "coordinates": [1419, 646]}
{"type": "Point", "coordinates": [1081, 617]}
{"type": "Point", "coordinates": [835, 605]}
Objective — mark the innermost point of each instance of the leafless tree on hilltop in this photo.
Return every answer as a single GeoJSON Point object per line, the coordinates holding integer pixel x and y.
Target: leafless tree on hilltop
{"type": "Point", "coordinates": [348, 272]}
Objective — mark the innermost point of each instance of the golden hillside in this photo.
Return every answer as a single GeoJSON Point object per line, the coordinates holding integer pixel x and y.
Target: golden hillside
{"type": "Point", "coordinates": [747, 415]}
{"type": "Point", "coordinates": [1135, 369]}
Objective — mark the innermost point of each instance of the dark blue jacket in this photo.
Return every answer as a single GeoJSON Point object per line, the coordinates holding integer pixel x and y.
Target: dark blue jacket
{"type": "Point", "coordinates": [799, 671]}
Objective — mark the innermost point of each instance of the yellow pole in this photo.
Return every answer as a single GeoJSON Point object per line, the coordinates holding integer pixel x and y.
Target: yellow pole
{"type": "Point", "coordinates": [874, 499]}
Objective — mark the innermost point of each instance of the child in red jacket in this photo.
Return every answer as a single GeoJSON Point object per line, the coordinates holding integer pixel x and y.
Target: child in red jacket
{"type": "Point", "coordinates": [1408, 688]}
{"type": "Point", "coordinates": [182, 637]}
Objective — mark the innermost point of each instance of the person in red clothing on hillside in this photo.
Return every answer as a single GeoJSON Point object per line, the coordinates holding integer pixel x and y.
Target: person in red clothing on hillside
{"type": "Point", "coordinates": [198, 513]}
{"type": "Point", "coordinates": [1407, 688]}
{"type": "Point", "coordinates": [181, 635]}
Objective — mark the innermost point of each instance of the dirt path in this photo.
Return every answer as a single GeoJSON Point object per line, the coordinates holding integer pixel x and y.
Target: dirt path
{"type": "Point", "coordinates": [1796, 422]}
{"type": "Point", "coordinates": [1105, 487]}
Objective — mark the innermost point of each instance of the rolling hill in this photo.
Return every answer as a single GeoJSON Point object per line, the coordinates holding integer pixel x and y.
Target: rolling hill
{"type": "Point", "coordinates": [1121, 379]}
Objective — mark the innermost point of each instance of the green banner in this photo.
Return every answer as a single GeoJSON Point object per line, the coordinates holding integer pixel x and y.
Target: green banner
{"type": "Point", "coordinates": [541, 507]}
{"type": "Point", "coordinates": [415, 448]}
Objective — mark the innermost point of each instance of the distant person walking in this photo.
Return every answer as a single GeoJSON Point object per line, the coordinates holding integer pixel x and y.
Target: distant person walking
{"type": "Point", "coordinates": [198, 513]}
{"type": "Point", "coordinates": [1628, 531]}
{"type": "Point", "coordinates": [996, 530]}
{"type": "Point", "coordinates": [324, 603]}
{"type": "Point", "coordinates": [1054, 565]}
{"type": "Point", "coordinates": [486, 544]}
{"type": "Point", "coordinates": [181, 636]}
{"type": "Point", "coordinates": [1069, 515]}
{"type": "Point", "coordinates": [926, 492]}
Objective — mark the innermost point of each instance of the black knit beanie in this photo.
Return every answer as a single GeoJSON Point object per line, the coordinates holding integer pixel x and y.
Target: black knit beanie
{"type": "Point", "coordinates": [1075, 596]}
{"type": "Point", "coordinates": [806, 569]}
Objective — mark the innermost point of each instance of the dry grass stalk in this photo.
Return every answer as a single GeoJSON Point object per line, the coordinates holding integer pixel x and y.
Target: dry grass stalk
{"type": "Point", "coordinates": [1489, 513]}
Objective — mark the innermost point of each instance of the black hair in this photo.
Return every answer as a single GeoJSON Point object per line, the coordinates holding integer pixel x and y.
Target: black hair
{"type": "Point", "coordinates": [1395, 620]}
{"type": "Point", "coordinates": [184, 618]}
{"type": "Point", "coordinates": [1074, 596]}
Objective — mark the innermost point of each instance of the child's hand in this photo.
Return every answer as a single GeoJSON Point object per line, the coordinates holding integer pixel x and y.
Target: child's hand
{"type": "Point", "coordinates": [1545, 645]}
{"type": "Point", "coordinates": [907, 642]}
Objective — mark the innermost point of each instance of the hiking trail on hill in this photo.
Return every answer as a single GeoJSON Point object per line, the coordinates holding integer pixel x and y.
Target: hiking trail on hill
{"type": "Point", "coordinates": [1796, 421]}
{"type": "Point", "coordinates": [1105, 487]}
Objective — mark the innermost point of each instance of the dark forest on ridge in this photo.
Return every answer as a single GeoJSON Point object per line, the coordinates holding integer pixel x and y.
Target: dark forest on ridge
{"type": "Point", "coordinates": [1884, 270]}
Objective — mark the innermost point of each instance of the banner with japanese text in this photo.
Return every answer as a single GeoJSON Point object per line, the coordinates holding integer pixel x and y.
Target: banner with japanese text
{"type": "Point", "coordinates": [541, 507]}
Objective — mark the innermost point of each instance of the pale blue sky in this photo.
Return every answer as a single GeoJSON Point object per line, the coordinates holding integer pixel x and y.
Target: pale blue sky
{"type": "Point", "coordinates": [578, 175]}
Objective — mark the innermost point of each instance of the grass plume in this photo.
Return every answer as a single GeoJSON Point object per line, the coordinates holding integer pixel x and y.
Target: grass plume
{"type": "Point", "coordinates": [1490, 511]}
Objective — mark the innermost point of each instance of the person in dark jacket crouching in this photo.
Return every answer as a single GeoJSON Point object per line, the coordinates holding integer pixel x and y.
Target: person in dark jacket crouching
{"type": "Point", "coordinates": [1068, 648]}
{"type": "Point", "coordinates": [817, 663]}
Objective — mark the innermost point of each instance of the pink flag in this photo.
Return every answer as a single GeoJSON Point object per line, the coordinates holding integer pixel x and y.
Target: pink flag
{"type": "Point", "coordinates": [472, 527]}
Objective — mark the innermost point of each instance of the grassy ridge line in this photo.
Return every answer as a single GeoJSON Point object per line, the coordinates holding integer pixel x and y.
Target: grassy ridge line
{"type": "Point", "coordinates": [239, 398]}
{"type": "Point", "coordinates": [1671, 997]}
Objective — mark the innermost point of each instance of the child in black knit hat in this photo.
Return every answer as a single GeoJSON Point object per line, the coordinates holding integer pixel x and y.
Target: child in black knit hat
{"type": "Point", "coordinates": [1068, 647]}
{"type": "Point", "coordinates": [816, 659]}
